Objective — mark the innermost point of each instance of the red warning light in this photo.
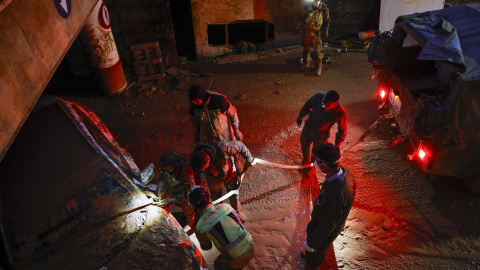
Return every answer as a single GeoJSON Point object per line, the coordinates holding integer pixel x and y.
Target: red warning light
{"type": "Point", "coordinates": [424, 153]}
{"type": "Point", "coordinates": [382, 93]}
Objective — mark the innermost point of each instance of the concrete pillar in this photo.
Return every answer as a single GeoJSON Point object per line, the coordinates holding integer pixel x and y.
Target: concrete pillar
{"type": "Point", "coordinates": [97, 38]}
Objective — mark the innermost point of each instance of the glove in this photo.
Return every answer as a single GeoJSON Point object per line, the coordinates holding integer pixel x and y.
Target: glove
{"type": "Point", "coordinates": [164, 203]}
{"type": "Point", "coordinates": [238, 134]}
{"type": "Point", "coordinates": [307, 248]}
{"type": "Point", "coordinates": [299, 122]}
{"type": "Point", "coordinates": [249, 163]}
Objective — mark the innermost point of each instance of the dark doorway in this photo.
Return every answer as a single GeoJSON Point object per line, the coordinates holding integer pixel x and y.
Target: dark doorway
{"type": "Point", "coordinates": [183, 27]}
{"type": "Point", "coordinates": [371, 16]}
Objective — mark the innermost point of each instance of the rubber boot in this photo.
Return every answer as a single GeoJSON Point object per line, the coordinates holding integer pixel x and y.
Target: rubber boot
{"type": "Point", "coordinates": [306, 61]}
{"type": "Point", "coordinates": [235, 203]}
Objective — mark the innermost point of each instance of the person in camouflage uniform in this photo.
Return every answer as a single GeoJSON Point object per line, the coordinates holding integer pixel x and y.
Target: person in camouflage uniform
{"type": "Point", "coordinates": [316, 21]}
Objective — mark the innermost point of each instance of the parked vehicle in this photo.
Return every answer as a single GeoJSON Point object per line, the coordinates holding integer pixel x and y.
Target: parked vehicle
{"type": "Point", "coordinates": [428, 68]}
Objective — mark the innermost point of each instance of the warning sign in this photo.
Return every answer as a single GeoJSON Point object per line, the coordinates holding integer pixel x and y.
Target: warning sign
{"type": "Point", "coordinates": [104, 16]}
{"type": "Point", "coordinates": [64, 7]}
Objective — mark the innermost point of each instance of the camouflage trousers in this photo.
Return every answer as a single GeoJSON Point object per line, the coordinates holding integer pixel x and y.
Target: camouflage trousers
{"type": "Point", "coordinates": [312, 38]}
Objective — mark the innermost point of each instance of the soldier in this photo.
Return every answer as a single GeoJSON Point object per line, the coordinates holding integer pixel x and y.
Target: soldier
{"type": "Point", "coordinates": [213, 117]}
{"type": "Point", "coordinates": [316, 20]}
{"type": "Point", "coordinates": [324, 111]}
{"type": "Point", "coordinates": [216, 161]}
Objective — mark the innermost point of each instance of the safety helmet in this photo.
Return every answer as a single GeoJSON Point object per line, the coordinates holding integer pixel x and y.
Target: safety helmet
{"type": "Point", "coordinates": [197, 194]}
{"type": "Point", "coordinates": [331, 96]}
{"type": "Point", "coordinates": [200, 160]}
{"type": "Point", "coordinates": [169, 161]}
{"type": "Point", "coordinates": [197, 91]}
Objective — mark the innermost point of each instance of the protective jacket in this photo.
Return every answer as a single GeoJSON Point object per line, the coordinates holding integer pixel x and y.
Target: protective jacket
{"type": "Point", "coordinates": [221, 225]}
{"type": "Point", "coordinates": [214, 120]}
{"type": "Point", "coordinates": [330, 211]}
{"type": "Point", "coordinates": [178, 182]}
{"type": "Point", "coordinates": [322, 121]}
{"type": "Point", "coordinates": [221, 157]}
{"type": "Point", "coordinates": [314, 18]}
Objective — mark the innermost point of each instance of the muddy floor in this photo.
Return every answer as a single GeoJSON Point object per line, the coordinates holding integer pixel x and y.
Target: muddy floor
{"type": "Point", "coordinates": [400, 219]}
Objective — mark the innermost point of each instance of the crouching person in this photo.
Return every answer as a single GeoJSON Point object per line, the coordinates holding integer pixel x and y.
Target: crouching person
{"type": "Point", "coordinates": [178, 178]}
{"type": "Point", "coordinates": [221, 225]}
{"type": "Point", "coordinates": [216, 160]}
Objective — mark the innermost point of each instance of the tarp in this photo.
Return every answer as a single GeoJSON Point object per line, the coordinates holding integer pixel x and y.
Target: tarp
{"type": "Point", "coordinates": [451, 35]}
{"type": "Point", "coordinates": [451, 38]}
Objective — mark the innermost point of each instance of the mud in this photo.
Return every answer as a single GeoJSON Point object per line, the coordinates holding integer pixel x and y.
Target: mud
{"type": "Point", "coordinates": [400, 219]}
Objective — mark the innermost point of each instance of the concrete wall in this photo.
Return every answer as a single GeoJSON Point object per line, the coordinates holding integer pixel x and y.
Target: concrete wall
{"type": "Point", "coordinates": [140, 22]}
{"type": "Point", "coordinates": [34, 38]}
{"type": "Point", "coordinates": [206, 12]}
{"type": "Point", "coordinates": [348, 16]}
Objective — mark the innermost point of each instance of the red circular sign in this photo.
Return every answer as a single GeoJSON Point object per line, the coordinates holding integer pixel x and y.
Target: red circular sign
{"type": "Point", "coordinates": [104, 16]}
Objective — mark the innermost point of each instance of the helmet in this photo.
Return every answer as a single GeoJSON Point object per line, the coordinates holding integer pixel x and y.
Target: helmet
{"type": "Point", "coordinates": [331, 96]}
{"type": "Point", "coordinates": [200, 160]}
{"type": "Point", "coordinates": [197, 194]}
{"type": "Point", "coordinates": [197, 91]}
{"type": "Point", "coordinates": [169, 161]}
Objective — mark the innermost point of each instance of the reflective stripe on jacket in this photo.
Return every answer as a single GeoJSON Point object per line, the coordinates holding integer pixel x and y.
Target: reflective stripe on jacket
{"type": "Point", "coordinates": [222, 225]}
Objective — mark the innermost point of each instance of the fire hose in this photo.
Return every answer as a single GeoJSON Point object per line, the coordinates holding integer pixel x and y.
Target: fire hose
{"type": "Point", "coordinates": [264, 162]}
{"type": "Point", "coordinates": [295, 167]}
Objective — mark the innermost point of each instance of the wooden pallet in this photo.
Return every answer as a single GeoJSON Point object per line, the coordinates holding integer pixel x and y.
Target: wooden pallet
{"type": "Point", "coordinates": [148, 62]}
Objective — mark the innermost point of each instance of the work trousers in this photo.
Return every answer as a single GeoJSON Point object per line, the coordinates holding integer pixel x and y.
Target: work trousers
{"type": "Point", "coordinates": [187, 210]}
{"type": "Point", "coordinates": [312, 38]}
{"type": "Point", "coordinates": [315, 259]}
{"type": "Point", "coordinates": [231, 182]}
{"type": "Point", "coordinates": [313, 135]}
{"type": "Point", "coordinates": [226, 262]}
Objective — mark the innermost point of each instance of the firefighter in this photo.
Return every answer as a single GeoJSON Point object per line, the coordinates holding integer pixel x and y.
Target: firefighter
{"type": "Point", "coordinates": [177, 178]}
{"type": "Point", "coordinates": [324, 111]}
{"type": "Point", "coordinates": [214, 118]}
{"type": "Point", "coordinates": [216, 161]}
{"type": "Point", "coordinates": [331, 207]}
{"type": "Point", "coordinates": [221, 225]}
{"type": "Point", "coordinates": [316, 20]}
